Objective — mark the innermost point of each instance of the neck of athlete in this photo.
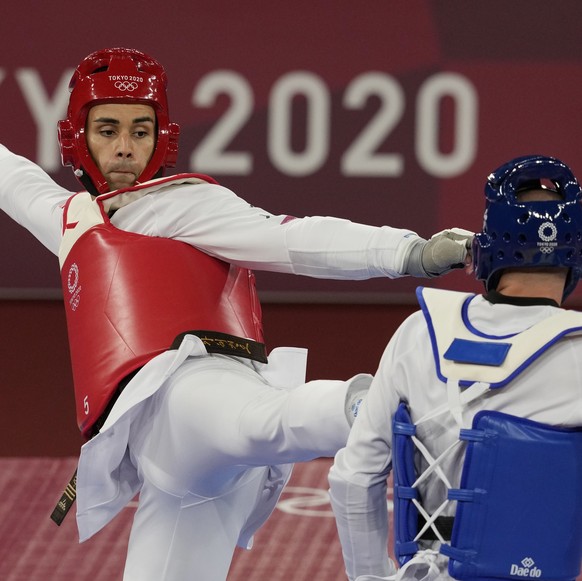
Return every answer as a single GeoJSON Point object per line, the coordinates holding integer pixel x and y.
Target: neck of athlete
{"type": "Point", "coordinates": [546, 283]}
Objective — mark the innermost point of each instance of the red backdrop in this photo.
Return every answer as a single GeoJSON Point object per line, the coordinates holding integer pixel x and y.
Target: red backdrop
{"type": "Point", "coordinates": [380, 112]}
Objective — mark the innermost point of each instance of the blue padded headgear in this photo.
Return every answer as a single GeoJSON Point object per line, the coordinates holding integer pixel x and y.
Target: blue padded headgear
{"type": "Point", "coordinates": [530, 234]}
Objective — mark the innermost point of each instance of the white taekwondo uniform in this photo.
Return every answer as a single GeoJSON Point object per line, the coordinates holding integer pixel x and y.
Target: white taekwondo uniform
{"type": "Point", "coordinates": [549, 391]}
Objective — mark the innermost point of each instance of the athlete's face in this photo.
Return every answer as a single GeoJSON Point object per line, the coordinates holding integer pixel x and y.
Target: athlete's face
{"type": "Point", "coordinates": [121, 139]}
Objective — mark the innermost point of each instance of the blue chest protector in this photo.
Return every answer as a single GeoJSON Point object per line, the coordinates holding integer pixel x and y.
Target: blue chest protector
{"type": "Point", "coordinates": [519, 504]}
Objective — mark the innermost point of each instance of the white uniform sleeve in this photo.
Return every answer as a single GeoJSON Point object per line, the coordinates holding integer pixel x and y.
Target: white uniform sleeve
{"type": "Point", "coordinates": [358, 477]}
{"type": "Point", "coordinates": [215, 220]}
{"type": "Point", "coordinates": [31, 198]}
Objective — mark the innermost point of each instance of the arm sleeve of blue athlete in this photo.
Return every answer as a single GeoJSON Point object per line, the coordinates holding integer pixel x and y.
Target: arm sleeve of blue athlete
{"type": "Point", "coordinates": [358, 478]}
{"type": "Point", "coordinates": [358, 487]}
{"type": "Point", "coordinates": [362, 523]}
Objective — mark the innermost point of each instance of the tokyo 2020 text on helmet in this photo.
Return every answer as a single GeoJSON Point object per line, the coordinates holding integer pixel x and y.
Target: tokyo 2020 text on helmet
{"type": "Point", "coordinates": [116, 75]}
{"type": "Point", "coordinates": [530, 234]}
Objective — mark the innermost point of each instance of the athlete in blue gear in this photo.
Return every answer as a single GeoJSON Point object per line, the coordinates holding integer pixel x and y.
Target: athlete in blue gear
{"type": "Point", "coordinates": [498, 375]}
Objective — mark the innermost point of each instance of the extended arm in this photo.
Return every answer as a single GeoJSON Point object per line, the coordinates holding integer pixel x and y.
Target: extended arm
{"type": "Point", "coordinates": [215, 220]}
{"type": "Point", "coordinates": [31, 198]}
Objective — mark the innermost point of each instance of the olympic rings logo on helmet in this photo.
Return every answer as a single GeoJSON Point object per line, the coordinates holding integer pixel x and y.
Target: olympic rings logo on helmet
{"type": "Point", "coordinates": [544, 228]}
{"type": "Point", "coordinates": [548, 232]}
{"type": "Point", "coordinates": [126, 85]}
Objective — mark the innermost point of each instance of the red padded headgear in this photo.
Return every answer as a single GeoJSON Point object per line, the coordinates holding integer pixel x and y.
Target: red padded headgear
{"type": "Point", "coordinates": [116, 75]}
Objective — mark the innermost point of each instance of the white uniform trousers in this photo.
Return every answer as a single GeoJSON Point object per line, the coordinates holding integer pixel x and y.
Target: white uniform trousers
{"type": "Point", "coordinates": [213, 449]}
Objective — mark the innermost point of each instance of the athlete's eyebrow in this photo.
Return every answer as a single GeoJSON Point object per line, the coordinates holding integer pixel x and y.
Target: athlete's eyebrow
{"type": "Point", "coordinates": [146, 119]}
{"type": "Point", "coordinates": [106, 120]}
{"type": "Point", "coordinates": [114, 121]}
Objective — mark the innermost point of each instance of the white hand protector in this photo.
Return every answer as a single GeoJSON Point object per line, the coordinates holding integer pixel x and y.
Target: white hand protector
{"type": "Point", "coordinates": [444, 252]}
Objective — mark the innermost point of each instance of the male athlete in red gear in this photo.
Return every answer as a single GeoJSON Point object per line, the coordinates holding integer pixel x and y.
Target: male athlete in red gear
{"type": "Point", "coordinates": [172, 382]}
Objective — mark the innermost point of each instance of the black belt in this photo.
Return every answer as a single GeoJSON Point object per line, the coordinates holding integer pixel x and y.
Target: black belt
{"type": "Point", "coordinates": [216, 342]}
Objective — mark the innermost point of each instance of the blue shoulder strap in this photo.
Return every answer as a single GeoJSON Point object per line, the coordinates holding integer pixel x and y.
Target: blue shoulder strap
{"type": "Point", "coordinates": [519, 508]}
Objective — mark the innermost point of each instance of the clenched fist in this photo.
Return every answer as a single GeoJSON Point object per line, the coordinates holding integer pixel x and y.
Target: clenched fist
{"type": "Point", "coordinates": [444, 252]}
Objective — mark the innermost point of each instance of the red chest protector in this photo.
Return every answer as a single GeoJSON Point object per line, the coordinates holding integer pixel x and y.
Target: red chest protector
{"type": "Point", "coordinates": [128, 296]}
